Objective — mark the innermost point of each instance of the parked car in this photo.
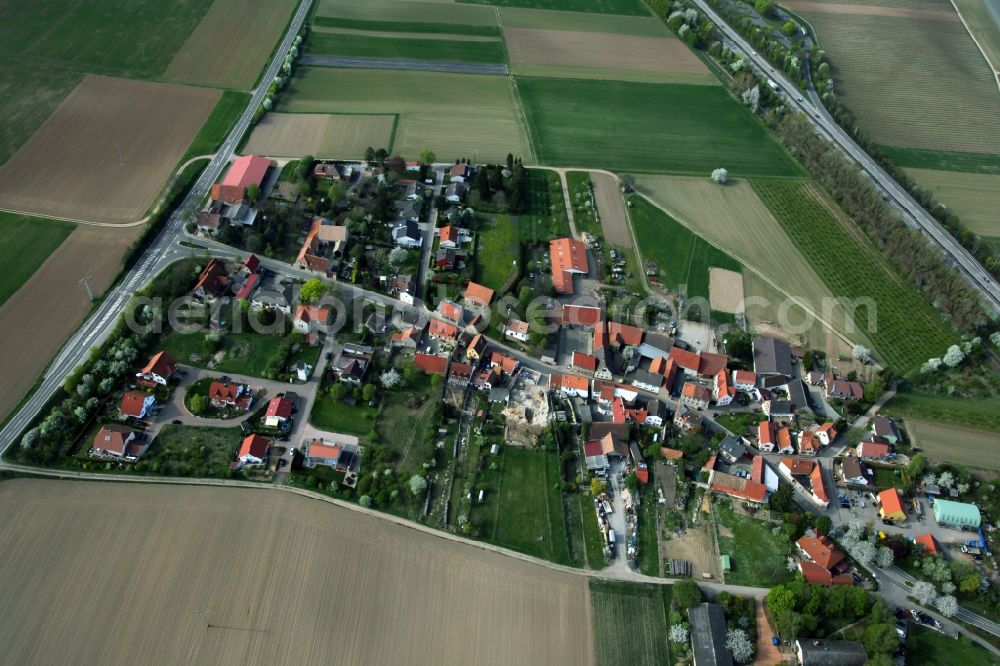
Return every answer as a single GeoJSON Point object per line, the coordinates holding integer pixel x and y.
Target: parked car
{"type": "Point", "coordinates": [177, 422]}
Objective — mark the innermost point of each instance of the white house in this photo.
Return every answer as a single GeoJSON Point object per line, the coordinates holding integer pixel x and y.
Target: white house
{"type": "Point", "coordinates": [159, 370]}
{"type": "Point", "coordinates": [407, 234]}
{"type": "Point", "coordinates": [722, 391]}
{"type": "Point", "coordinates": [744, 380]}
{"type": "Point", "coordinates": [516, 330]}
{"type": "Point", "coordinates": [253, 449]}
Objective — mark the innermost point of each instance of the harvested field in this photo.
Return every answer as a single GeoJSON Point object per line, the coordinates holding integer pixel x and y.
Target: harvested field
{"type": "Point", "coordinates": [940, 95]}
{"type": "Point", "coordinates": [33, 334]}
{"type": "Point", "coordinates": [669, 128]}
{"type": "Point", "coordinates": [543, 19]}
{"type": "Point", "coordinates": [322, 135]}
{"type": "Point", "coordinates": [455, 115]}
{"type": "Point", "coordinates": [871, 10]}
{"type": "Point", "coordinates": [407, 12]}
{"type": "Point", "coordinates": [984, 27]}
{"type": "Point", "coordinates": [240, 576]}
{"type": "Point", "coordinates": [725, 290]}
{"type": "Point", "coordinates": [231, 44]}
{"type": "Point", "coordinates": [975, 197]}
{"type": "Point", "coordinates": [653, 59]}
{"type": "Point", "coordinates": [949, 443]}
{"type": "Point", "coordinates": [97, 158]}
{"type": "Point", "coordinates": [611, 208]}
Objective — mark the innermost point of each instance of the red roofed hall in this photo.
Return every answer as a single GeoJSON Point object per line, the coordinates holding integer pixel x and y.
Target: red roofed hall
{"type": "Point", "coordinates": [478, 294]}
{"type": "Point", "coordinates": [585, 361]}
{"type": "Point", "coordinates": [433, 365]}
{"type": "Point", "coordinates": [581, 315]}
{"type": "Point", "coordinates": [569, 258]}
{"type": "Point", "coordinates": [245, 170]}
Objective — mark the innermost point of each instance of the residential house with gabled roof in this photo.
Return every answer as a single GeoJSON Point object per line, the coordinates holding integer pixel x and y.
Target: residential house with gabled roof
{"type": "Point", "coordinates": [842, 389]}
{"type": "Point", "coordinates": [585, 362]}
{"type": "Point", "coordinates": [767, 436]}
{"type": "Point", "coordinates": [516, 330]}
{"type": "Point", "coordinates": [408, 338]}
{"type": "Point", "coordinates": [778, 409]}
{"type": "Point", "coordinates": [325, 244]}
{"type": "Point", "coordinates": [687, 420]}
{"type": "Point", "coordinates": [477, 294]}
{"type": "Point", "coordinates": [279, 410]}
{"type": "Point", "coordinates": [855, 472]}
{"type": "Point", "coordinates": [431, 364]}
{"type": "Point", "coordinates": [890, 505]}
{"type": "Point", "coordinates": [568, 258]}
{"type": "Point", "coordinates": [462, 172]}
{"type": "Point", "coordinates": [406, 233]}
{"type": "Point", "coordinates": [455, 192]}
{"type": "Point", "coordinates": [450, 310]}
{"type": "Point", "coordinates": [648, 381]}
{"type": "Point", "coordinates": [159, 370]}
{"type": "Point", "coordinates": [449, 236]}
{"type": "Point", "coordinates": [732, 449]}
{"type": "Point", "coordinates": [744, 380]}
{"type": "Point", "coordinates": [873, 450]}
{"type": "Point", "coordinates": [820, 550]}
{"type": "Point", "coordinates": [808, 441]}
{"type": "Point", "coordinates": [212, 281]}
{"type": "Point", "coordinates": [507, 364]}
{"type": "Point", "coordinates": [785, 445]}
{"type": "Point", "coordinates": [253, 450]}
{"type": "Point", "coordinates": [571, 385]}
{"type": "Point", "coordinates": [820, 494]}
{"type": "Point", "coordinates": [623, 335]}
{"type": "Point", "coordinates": [441, 330]}
{"type": "Point", "coordinates": [137, 404]}
{"type": "Point", "coordinates": [695, 396]}
{"type": "Point", "coordinates": [884, 427]}
{"type": "Point", "coordinates": [722, 391]}
{"type": "Point", "coordinates": [404, 287]}
{"type": "Point", "coordinates": [229, 394]}
{"type": "Point", "coordinates": [117, 441]}
{"type": "Point", "coordinates": [460, 374]}
{"type": "Point", "coordinates": [476, 348]}
{"type": "Point", "coordinates": [928, 543]}
{"type": "Point", "coordinates": [739, 487]}
{"type": "Point", "coordinates": [826, 433]}
{"type": "Point", "coordinates": [342, 454]}
{"type": "Point", "coordinates": [311, 318]}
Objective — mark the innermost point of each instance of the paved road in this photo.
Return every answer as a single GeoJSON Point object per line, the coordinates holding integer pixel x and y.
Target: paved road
{"type": "Point", "coordinates": [403, 63]}
{"type": "Point", "coordinates": [162, 252]}
{"type": "Point", "coordinates": [913, 214]}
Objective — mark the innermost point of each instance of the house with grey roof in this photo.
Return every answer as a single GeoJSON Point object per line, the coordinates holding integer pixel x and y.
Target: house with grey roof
{"type": "Point", "coordinates": [772, 357]}
{"type": "Point", "coordinates": [815, 652]}
{"type": "Point", "coordinates": [708, 635]}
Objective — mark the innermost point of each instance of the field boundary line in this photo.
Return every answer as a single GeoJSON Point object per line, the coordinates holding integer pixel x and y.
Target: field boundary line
{"type": "Point", "coordinates": [517, 97]}
{"type": "Point", "coordinates": [989, 63]}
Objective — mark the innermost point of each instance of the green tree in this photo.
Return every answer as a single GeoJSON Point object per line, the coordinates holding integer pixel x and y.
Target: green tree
{"type": "Point", "coordinates": [253, 192]}
{"type": "Point", "coordinates": [368, 392]}
{"type": "Point", "coordinates": [788, 624]}
{"type": "Point", "coordinates": [686, 594]}
{"type": "Point", "coordinates": [764, 7]}
{"type": "Point", "coordinates": [781, 500]}
{"type": "Point", "coordinates": [197, 404]}
{"type": "Point", "coordinates": [369, 154]}
{"type": "Point", "coordinates": [312, 290]}
{"type": "Point", "coordinates": [596, 487]}
{"type": "Point", "coordinates": [824, 524]}
{"type": "Point", "coordinates": [918, 463]}
{"type": "Point", "coordinates": [880, 639]}
{"type": "Point", "coordinates": [427, 156]}
{"type": "Point", "coordinates": [338, 391]}
{"type": "Point", "coordinates": [970, 584]}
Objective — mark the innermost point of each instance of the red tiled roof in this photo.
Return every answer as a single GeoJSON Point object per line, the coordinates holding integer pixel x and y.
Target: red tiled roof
{"type": "Point", "coordinates": [279, 407]}
{"type": "Point", "coordinates": [819, 484]}
{"type": "Point", "coordinates": [318, 449]}
{"type": "Point", "coordinates": [658, 365]}
{"type": "Point", "coordinates": [593, 448]}
{"type": "Point", "coordinates": [585, 361]}
{"type": "Point", "coordinates": [739, 487]}
{"type": "Point", "coordinates": [873, 449]}
{"type": "Point", "coordinates": [928, 542]}
{"type": "Point", "coordinates": [671, 454]}
{"type": "Point", "coordinates": [435, 365]}
{"type": "Point", "coordinates": [685, 359]}
{"type": "Point", "coordinates": [765, 433]}
{"type": "Point", "coordinates": [132, 402]}
{"type": "Point", "coordinates": [744, 377]}
{"type": "Point", "coordinates": [798, 466]}
{"type": "Point", "coordinates": [624, 334]}
{"type": "Point", "coordinates": [245, 170]}
{"type": "Point", "coordinates": [757, 469]}
{"type": "Point", "coordinates": [311, 313]}
{"type": "Point", "coordinates": [230, 194]}
{"type": "Point", "coordinates": [111, 438]}
{"type": "Point", "coordinates": [248, 286]}
{"type": "Point", "coordinates": [711, 364]}
{"type": "Point", "coordinates": [448, 233]}
{"type": "Point", "coordinates": [568, 256]}
{"type": "Point", "coordinates": [461, 370]}
{"type": "Point", "coordinates": [785, 439]}
{"type": "Point", "coordinates": [891, 501]}
{"type": "Point", "coordinates": [617, 411]}
{"type": "Point", "coordinates": [581, 315]}
{"type": "Point", "coordinates": [574, 382]}
{"type": "Point", "coordinates": [696, 391]}
{"type": "Point", "coordinates": [477, 293]}
{"type": "Point", "coordinates": [817, 575]}
{"type": "Point", "coordinates": [213, 278]}
{"type": "Point", "coordinates": [442, 329]}
{"type": "Point", "coordinates": [820, 550]}
{"type": "Point", "coordinates": [252, 263]}
{"type": "Point", "coordinates": [254, 445]}
{"type": "Point", "coordinates": [449, 310]}
{"type": "Point", "coordinates": [161, 364]}
{"type": "Point", "coordinates": [224, 391]}
{"type": "Point", "coordinates": [506, 363]}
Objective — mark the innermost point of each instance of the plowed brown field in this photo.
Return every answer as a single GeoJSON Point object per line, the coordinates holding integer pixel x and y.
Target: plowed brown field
{"type": "Point", "coordinates": [106, 151]}
{"type": "Point", "coordinates": [319, 134]}
{"type": "Point", "coordinates": [52, 303]}
{"type": "Point", "coordinates": [122, 574]}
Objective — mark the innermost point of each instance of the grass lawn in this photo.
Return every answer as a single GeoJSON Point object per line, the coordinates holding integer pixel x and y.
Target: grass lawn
{"type": "Point", "coordinates": [648, 544]}
{"type": "Point", "coordinates": [905, 328]}
{"type": "Point", "coordinates": [335, 416]}
{"type": "Point", "coordinates": [668, 128]}
{"type": "Point", "coordinates": [192, 451]}
{"type": "Point", "coordinates": [405, 13]}
{"type": "Point", "coordinates": [498, 245]}
{"type": "Point", "coordinates": [324, 43]}
{"type": "Point", "coordinates": [136, 39]}
{"type": "Point", "coordinates": [545, 217]}
{"type": "Point", "coordinates": [586, 540]}
{"type": "Point", "coordinates": [26, 242]}
{"type": "Point", "coordinates": [926, 647]}
{"type": "Point", "coordinates": [245, 353]}
{"type": "Point", "coordinates": [681, 256]}
{"type": "Point", "coordinates": [407, 26]}
{"type": "Point", "coordinates": [630, 623]}
{"type": "Point", "coordinates": [225, 114]}
{"type": "Point", "coordinates": [886, 478]}
{"type": "Point", "coordinates": [626, 7]}
{"type": "Point", "coordinates": [758, 557]}
{"type": "Point", "coordinates": [528, 514]}
{"type": "Point", "coordinates": [413, 444]}
{"type": "Point", "coordinates": [943, 160]}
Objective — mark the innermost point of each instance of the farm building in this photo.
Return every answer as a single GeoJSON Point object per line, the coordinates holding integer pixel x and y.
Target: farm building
{"type": "Point", "coordinates": [891, 505]}
{"type": "Point", "coordinates": [708, 635]}
{"type": "Point", "coordinates": [814, 652]}
{"type": "Point", "coordinates": [569, 258]}
{"type": "Point", "coordinates": [247, 170]}
{"type": "Point", "coordinates": [956, 514]}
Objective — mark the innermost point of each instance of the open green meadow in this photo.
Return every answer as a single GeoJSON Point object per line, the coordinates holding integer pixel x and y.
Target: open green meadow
{"type": "Point", "coordinates": [422, 27]}
{"type": "Point", "coordinates": [628, 7]}
{"type": "Point", "coordinates": [905, 329]}
{"type": "Point", "coordinates": [334, 415]}
{"type": "Point", "coordinates": [630, 623]}
{"type": "Point", "coordinates": [455, 115]}
{"type": "Point", "coordinates": [407, 12]}
{"type": "Point", "coordinates": [28, 95]}
{"type": "Point", "coordinates": [193, 451]}
{"type": "Point", "coordinates": [974, 197]}
{"type": "Point", "coordinates": [757, 555]}
{"type": "Point", "coordinates": [245, 353]}
{"type": "Point", "coordinates": [943, 160]}
{"type": "Point", "coordinates": [364, 46]}
{"type": "Point", "coordinates": [537, 19]}
{"type": "Point", "coordinates": [681, 256]}
{"type": "Point", "coordinates": [522, 507]}
{"type": "Point", "coordinates": [26, 242]}
{"type": "Point", "coordinates": [983, 414]}
{"type": "Point", "coordinates": [134, 39]}
{"type": "Point", "coordinates": [668, 128]}
{"type": "Point", "coordinates": [499, 244]}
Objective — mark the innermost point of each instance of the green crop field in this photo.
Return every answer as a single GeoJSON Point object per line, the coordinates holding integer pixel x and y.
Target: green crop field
{"type": "Point", "coordinates": [362, 46]}
{"type": "Point", "coordinates": [407, 26]}
{"type": "Point", "coordinates": [982, 414]}
{"type": "Point", "coordinates": [134, 39]}
{"type": "Point", "coordinates": [974, 197]}
{"type": "Point", "coordinates": [523, 506]}
{"type": "Point", "coordinates": [26, 242]}
{"type": "Point", "coordinates": [925, 86]}
{"type": "Point", "coordinates": [943, 160]}
{"type": "Point", "coordinates": [455, 115]}
{"type": "Point", "coordinates": [681, 256]}
{"type": "Point", "coordinates": [537, 19]}
{"type": "Point", "coordinates": [904, 328]}
{"type": "Point", "coordinates": [225, 114]}
{"type": "Point", "coordinates": [984, 24]}
{"type": "Point", "coordinates": [668, 128]}
{"type": "Point", "coordinates": [628, 7]}
{"type": "Point", "coordinates": [407, 12]}
{"type": "Point", "coordinates": [630, 623]}
{"type": "Point", "coordinates": [28, 95]}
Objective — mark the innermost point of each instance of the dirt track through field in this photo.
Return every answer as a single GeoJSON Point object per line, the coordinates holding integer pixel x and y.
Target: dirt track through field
{"type": "Point", "coordinates": [109, 573]}
{"type": "Point", "coordinates": [871, 10]}
{"type": "Point", "coordinates": [106, 151]}
{"type": "Point", "coordinates": [322, 135]}
{"type": "Point", "coordinates": [611, 208]}
{"type": "Point", "coordinates": [52, 303]}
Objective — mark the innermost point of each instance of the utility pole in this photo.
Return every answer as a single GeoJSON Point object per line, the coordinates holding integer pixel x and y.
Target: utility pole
{"type": "Point", "coordinates": [86, 283]}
